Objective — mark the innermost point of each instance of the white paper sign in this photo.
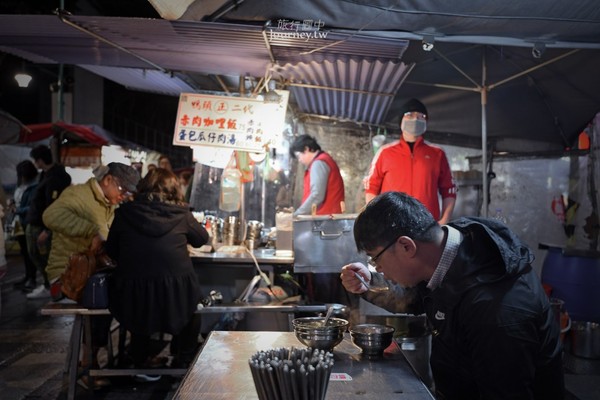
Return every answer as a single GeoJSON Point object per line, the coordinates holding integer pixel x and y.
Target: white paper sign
{"type": "Point", "coordinates": [236, 123]}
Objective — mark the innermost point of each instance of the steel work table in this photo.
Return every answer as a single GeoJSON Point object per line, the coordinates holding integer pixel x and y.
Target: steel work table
{"type": "Point", "coordinates": [82, 322]}
{"type": "Point", "coordinates": [263, 257]}
{"type": "Point", "coordinates": [221, 371]}
{"type": "Point", "coordinates": [230, 273]}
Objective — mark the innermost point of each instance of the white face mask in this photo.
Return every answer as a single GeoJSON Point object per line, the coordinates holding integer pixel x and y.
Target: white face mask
{"type": "Point", "coordinates": [415, 127]}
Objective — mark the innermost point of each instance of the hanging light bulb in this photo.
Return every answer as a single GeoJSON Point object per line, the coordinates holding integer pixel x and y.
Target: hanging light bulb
{"type": "Point", "coordinates": [23, 79]}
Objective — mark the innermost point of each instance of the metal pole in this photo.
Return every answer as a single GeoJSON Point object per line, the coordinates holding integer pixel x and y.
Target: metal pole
{"type": "Point", "coordinates": [263, 197]}
{"type": "Point", "coordinates": [243, 223]}
{"type": "Point", "coordinates": [484, 92]}
{"type": "Point", "coordinates": [61, 91]}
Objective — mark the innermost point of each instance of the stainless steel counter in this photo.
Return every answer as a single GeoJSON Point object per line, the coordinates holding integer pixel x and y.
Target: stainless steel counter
{"type": "Point", "coordinates": [221, 371]}
{"type": "Point", "coordinates": [269, 307]}
{"type": "Point", "coordinates": [263, 256]}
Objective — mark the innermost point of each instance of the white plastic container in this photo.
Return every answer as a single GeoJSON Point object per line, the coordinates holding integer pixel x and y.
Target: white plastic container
{"type": "Point", "coordinates": [231, 190]}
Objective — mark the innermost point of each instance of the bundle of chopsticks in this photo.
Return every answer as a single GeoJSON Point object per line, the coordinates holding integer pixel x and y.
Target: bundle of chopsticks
{"type": "Point", "coordinates": [291, 374]}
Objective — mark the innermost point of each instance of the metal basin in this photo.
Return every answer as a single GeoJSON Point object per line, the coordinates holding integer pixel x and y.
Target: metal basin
{"type": "Point", "coordinates": [311, 332]}
{"type": "Point", "coordinates": [373, 339]}
{"type": "Point", "coordinates": [585, 339]}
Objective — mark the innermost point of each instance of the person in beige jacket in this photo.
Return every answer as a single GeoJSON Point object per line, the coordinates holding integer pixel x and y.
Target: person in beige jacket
{"type": "Point", "coordinates": [79, 220]}
{"type": "Point", "coordinates": [81, 216]}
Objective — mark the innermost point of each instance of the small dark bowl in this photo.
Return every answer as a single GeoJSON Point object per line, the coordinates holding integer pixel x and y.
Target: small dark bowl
{"type": "Point", "coordinates": [373, 339]}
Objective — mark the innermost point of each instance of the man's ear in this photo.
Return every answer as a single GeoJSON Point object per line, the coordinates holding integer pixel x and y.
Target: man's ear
{"type": "Point", "coordinates": [106, 180]}
{"type": "Point", "coordinates": [408, 245]}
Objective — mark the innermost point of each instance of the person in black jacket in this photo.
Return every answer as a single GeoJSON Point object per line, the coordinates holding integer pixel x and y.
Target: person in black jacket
{"type": "Point", "coordinates": [53, 181]}
{"type": "Point", "coordinates": [494, 334]}
{"type": "Point", "coordinates": [26, 184]}
{"type": "Point", "coordinates": [154, 287]}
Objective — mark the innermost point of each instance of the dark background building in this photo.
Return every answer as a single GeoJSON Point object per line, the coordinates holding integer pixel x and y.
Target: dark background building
{"type": "Point", "coordinates": [140, 117]}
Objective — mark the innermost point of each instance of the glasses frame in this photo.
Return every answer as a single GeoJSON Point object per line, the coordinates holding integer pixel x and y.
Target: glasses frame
{"type": "Point", "coordinates": [372, 261]}
{"type": "Point", "coordinates": [124, 192]}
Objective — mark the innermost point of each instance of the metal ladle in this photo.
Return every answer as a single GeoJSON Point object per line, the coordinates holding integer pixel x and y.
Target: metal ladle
{"type": "Point", "coordinates": [332, 308]}
{"type": "Point", "coordinates": [376, 289]}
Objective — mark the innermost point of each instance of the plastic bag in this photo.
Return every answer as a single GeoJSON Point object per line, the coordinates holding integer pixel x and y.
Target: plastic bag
{"type": "Point", "coordinates": [231, 187]}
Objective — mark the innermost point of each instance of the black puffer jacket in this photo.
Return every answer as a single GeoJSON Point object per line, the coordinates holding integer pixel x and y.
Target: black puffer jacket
{"type": "Point", "coordinates": [494, 335]}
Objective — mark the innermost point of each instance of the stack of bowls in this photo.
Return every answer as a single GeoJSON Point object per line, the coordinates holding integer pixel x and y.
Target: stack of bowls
{"type": "Point", "coordinates": [232, 231]}
{"type": "Point", "coordinates": [373, 339]}
{"type": "Point", "coordinates": [214, 226]}
{"type": "Point", "coordinates": [312, 332]}
{"type": "Point", "coordinates": [253, 234]}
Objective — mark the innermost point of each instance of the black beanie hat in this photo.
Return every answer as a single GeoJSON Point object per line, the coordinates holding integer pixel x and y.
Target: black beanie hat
{"type": "Point", "coordinates": [412, 105]}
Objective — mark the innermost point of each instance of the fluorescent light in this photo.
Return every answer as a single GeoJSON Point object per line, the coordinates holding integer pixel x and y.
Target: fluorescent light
{"type": "Point", "coordinates": [23, 79]}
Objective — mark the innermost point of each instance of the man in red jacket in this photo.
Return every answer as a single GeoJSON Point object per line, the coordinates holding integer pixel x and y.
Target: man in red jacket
{"type": "Point", "coordinates": [413, 166]}
{"type": "Point", "coordinates": [323, 183]}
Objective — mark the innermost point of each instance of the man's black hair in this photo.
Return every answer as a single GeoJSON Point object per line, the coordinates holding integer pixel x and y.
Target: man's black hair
{"type": "Point", "coordinates": [389, 216]}
{"type": "Point", "coordinates": [41, 152]}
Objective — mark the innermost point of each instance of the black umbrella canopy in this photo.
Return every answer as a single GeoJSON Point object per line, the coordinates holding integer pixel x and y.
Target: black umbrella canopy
{"type": "Point", "coordinates": [554, 22]}
{"type": "Point", "coordinates": [10, 128]}
{"type": "Point", "coordinates": [533, 104]}
{"type": "Point", "coordinates": [542, 110]}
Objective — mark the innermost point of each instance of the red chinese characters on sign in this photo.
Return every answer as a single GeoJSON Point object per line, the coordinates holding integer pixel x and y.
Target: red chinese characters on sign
{"type": "Point", "coordinates": [219, 123]}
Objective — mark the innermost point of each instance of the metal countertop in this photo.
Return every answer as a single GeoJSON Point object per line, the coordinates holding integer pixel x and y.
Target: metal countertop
{"type": "Point", "coordinates": [221, 371]}
{"type": "Point", "coordinates": [263, 256]}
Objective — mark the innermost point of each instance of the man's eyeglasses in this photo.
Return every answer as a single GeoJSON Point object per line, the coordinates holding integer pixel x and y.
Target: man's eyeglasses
{"type": "Point", "coordinates": [372, 261]}
{"type": "Point", "coordinates": [124, 192]}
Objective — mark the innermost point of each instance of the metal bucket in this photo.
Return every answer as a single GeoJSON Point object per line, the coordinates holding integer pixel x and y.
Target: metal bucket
{"type": "Point", "coordinates": [214, 226]}
{"type": "Point", "coordinates": [253, 234]}
{"type": "Point", "coordinates": [585, 339]}
{"type": "Point", "coordinates": [234, 231]}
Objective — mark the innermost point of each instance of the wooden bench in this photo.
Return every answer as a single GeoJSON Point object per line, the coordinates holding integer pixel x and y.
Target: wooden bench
{"type": "Point", "coordinates": [82, 323]}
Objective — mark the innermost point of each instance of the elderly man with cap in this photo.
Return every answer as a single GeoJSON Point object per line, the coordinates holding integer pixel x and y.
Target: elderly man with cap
{"type": "Point", "coordinates": [80, 219]}
{"type": "Point", "coordinates": [413, 166]}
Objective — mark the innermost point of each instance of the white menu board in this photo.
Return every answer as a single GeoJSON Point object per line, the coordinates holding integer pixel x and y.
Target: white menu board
{"type": "Point", "coordinates": [237, 123]}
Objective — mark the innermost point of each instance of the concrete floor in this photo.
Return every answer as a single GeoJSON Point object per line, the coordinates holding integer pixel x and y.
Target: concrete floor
{"type": "Point", "coordinates": [33, 349]}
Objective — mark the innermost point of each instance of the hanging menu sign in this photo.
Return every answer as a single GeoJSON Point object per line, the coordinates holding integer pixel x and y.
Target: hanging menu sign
{"type": "Point", "coordinates": [236, 123]}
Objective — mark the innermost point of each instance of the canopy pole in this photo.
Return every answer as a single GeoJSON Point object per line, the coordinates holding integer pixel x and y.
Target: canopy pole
{"type": "Point", "coordinates": [61, 102]}
{"type": "Point", "coordinates": [484, 91]}
{"type": "Point", "coordinates": [60, 106]}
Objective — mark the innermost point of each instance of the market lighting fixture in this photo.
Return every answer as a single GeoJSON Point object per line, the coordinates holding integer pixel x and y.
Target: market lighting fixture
{"type": "Point", "coordinates": [23, 79]}
{"type": "Point", "coordinates": [538, 50]}
{"type": "Point", "coordinates": [428, 43]}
